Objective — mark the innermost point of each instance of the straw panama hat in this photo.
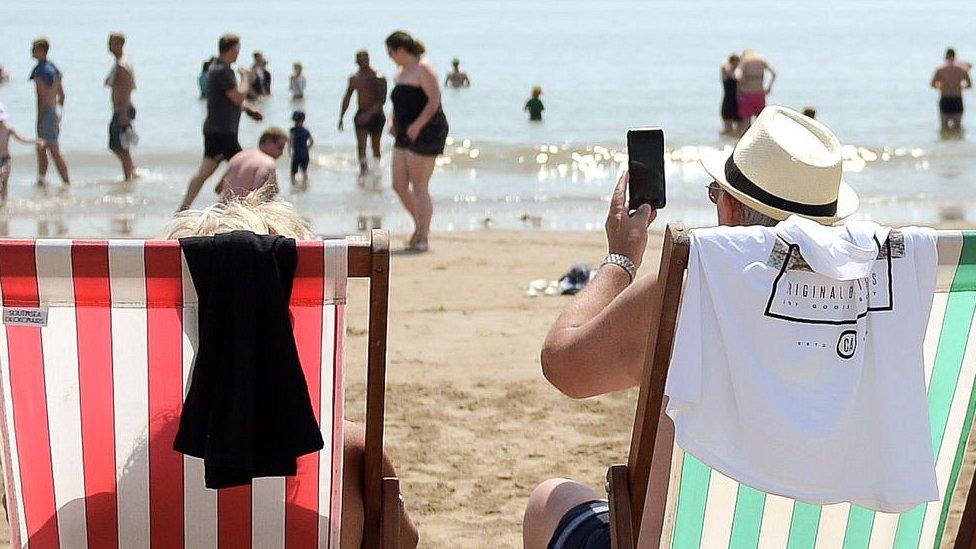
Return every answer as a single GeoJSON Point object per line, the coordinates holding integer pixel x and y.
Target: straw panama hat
{"type": "Point", "coordinates": [786, 164]}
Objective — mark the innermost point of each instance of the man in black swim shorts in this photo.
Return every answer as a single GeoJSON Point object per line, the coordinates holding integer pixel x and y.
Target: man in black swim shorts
{"type": "Point", "coordinates": [370, 88]}
{"type": "Point", "coordinates": [226, 100]}
{"type": "Point", "coordinates": [951, 79]}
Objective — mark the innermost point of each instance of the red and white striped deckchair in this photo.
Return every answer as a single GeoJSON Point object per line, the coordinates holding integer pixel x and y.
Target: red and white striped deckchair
{"type": "Point", "coordinates": [95, 356]}
{"type": "Point", "coordinates": [703, 508]}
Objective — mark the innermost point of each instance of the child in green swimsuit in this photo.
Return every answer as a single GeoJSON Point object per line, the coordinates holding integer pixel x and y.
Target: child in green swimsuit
{"type": "Point", "coordinates": [534, 105]}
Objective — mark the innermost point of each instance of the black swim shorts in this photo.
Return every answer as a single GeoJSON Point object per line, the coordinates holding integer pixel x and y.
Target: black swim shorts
{"type": "Point", "coordinates": [115, 129]}
{"type": "Point", "coordinates": [220, 146]}
{"type": "Point", "coordinates": [299, 163]}
{"type": "Point", "coordinates": [586, 526]}
{"type": "Point", "coordinates": [950, 105]}
{"type": "Point", "coordinates": [375, 123]}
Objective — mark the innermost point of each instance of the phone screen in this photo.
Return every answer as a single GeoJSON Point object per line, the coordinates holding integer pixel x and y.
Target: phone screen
{"type": "Point", "coordinates": [645, 150]}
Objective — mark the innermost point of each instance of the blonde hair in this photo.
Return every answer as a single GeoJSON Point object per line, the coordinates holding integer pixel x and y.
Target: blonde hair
{"type": "Point", "coordinates": [256, 212]}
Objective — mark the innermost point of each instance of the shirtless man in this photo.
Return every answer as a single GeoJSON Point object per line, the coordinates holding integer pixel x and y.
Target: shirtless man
{"type": "Point", "coordinates": [752, 87]}
{"type": "Point", "coordinates": [252, 169]}
{"type": "Point", "coordinates": [50, 96]}
{"type": "Point", "coordinates": [457, 78]}
{"type": "Point", "coordinates": [951, 79]}
{"type": "Point", "coordinates": [122, 81]}
{"type": "Point", "coordinates": [370, 87]}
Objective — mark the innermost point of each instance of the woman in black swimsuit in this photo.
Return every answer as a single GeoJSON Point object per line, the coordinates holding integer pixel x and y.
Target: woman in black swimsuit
{"type": "Point", "coordinates": [730, 97]}
{"type": "Point", "coordinates": [419, 129]}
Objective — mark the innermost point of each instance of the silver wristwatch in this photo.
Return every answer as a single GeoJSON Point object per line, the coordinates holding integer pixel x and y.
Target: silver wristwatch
{"type": "Point", "coordinates": [621, 261]}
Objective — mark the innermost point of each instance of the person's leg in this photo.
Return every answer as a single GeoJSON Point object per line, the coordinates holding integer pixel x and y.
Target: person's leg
{"type": "Point", "coordinates": [59, 163]}
{"type": "Point", "coordinates": [361, 149]}
{"type": "Point", "coordinates": [4, 178]}
{"type": "Point", "coordinates": [401, 184]}
{"type": "Point", "coordinates": [421, 167]}
{"type": "Point", "coordinates": [207, 168]}
{"type": "Point", "coordinates": [374, 140]}
{"type": "Point", "coordinates": [353, 454]}
{"type": "Point", "coordinates": [547, 505]}
{"type": "Point", "coordinates": [294, 170]}
{"type": "Point", "coordinates": [41, 164]}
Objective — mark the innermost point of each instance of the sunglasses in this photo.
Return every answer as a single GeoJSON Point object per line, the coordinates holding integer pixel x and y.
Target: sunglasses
{"type": "Point", "coordinates": [714, 191]}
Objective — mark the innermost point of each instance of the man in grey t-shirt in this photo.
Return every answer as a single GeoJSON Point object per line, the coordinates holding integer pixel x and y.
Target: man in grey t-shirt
{"type": "Point", "coordinates": [225, 101]}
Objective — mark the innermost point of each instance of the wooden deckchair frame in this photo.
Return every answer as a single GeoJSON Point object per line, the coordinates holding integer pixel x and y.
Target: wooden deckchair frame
{"type": "Point", "coordinates": [627, 484]}
{"type": "Point", "coordinates": [381, 496]}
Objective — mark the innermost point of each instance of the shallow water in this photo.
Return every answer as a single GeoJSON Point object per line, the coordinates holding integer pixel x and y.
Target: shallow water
{"type": "Point", "coordinates": [603, 66]}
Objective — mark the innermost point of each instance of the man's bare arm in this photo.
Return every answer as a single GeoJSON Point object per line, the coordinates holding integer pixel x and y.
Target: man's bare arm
{"type": "Point", "coordinates": [345, 101]}
{"type": "Point", "coordinates": [597, 343]}
{"type": "Point", "coordinates": [61, 96]}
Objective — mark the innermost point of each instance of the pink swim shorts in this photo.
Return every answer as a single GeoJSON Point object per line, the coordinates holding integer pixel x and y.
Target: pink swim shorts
{"type": "Point", "coordinates": [751, 104]}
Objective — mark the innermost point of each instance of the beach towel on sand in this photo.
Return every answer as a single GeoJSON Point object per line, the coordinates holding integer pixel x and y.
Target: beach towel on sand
{"type": "Point", "coordinates": [798, 366]}
{"type": "Point", "coordinates": [247, 412]}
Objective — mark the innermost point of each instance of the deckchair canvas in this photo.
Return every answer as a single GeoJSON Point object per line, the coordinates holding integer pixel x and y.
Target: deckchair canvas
{"type": "Point", "coordinates": [704, 508]}
{"type": "Point", "coordinates": [95, 357]}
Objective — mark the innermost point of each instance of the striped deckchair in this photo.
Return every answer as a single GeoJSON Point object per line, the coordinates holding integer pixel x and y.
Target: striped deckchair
{"type": "Point", "coordinates": [95, 355]}
{"type": "Point", "coordinates": [703, 508]}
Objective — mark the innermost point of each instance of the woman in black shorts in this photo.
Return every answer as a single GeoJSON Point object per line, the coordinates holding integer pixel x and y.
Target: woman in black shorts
{"type": "Point", "coordinates": [419, 130]}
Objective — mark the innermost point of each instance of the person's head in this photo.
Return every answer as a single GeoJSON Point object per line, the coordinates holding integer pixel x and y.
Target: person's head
{"type": "Point", "coordinates": [298, 117]}
{"type": "Point", "coordinates": [785, 164]}
{"type": "Point", "coordinates": [206, 65]}
{"type": "Point", "coordinates": [403, 48]}
{"type": "Point", "coordinates": [39, 48]}
{"type": "Point", "coordinates": [259, 59]}
{"type": "Point", "coordinates": [116, 41]}
{"type": "Point", "coordinates": [456, 63]}
{"type": "Point", "coordinates": [257, 212]}
{"type": "Point", "coordinates": [950, 54]}
{"type": "Point", "coordinates": [536, 91]}
{"type": "Point", "coordinates": [297, 67]}
{"type": "Point", "coordinates": [273, 142]}
{"type": "Point", "coordinates": [362, 59]}
{"type": "Point", "coordinates": [229, 47]}
{"type": "Point", "coordinates": [810, 111]}
{"type": "Point", "coordinates": [733, 59]}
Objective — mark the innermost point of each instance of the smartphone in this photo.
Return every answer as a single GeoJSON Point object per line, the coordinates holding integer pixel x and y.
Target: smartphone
{"type": "Point", "coordinates": [645, 151]}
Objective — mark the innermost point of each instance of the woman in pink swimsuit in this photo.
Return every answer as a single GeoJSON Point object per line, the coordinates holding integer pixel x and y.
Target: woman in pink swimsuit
{"type": "Point", "coordinates": [752, 88]}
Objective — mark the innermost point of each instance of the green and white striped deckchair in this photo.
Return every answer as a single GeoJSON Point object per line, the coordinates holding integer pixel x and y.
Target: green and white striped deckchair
{"type": "Point", "coordinates": [703, 508]}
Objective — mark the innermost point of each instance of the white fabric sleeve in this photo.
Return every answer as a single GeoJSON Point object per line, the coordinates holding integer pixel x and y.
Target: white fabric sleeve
{"type": "Point", "coordinates": [683, 385]}
{"type": "Point", "coordinates": [924, 248]}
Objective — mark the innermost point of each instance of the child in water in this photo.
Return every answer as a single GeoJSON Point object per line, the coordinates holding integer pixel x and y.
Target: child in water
{"type": "Point", "coordinates": [296, 82]}
{"type": "Point", "coordinates": [534, 105]}
{"type": "Point", "coordinates": [6, 132]}
{"type": "Point", "coordinates": [301, 141]}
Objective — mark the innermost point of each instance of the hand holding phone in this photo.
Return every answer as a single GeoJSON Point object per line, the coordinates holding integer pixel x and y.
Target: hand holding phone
{"type": "Point", "coordinates": [645, 151]}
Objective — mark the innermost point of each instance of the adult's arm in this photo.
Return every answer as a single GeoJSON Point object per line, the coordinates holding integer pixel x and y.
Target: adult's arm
{"type": "Point", "coordinates": [597, 343]}
{"type": "Point", "coordinates": [59, 90]}
{"type": "Point", "coordinates": [772, 71]}
{"type": "Point", "coordinates": [967, 82]}
{"type": "Point", "coordinates": [428, 83]}
{"type": "Point", "coordinates": [345, 101]}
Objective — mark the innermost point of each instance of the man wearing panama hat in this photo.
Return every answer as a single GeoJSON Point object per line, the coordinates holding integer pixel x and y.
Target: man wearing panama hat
{"type": "Point", "coordinates": [785, 164]}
